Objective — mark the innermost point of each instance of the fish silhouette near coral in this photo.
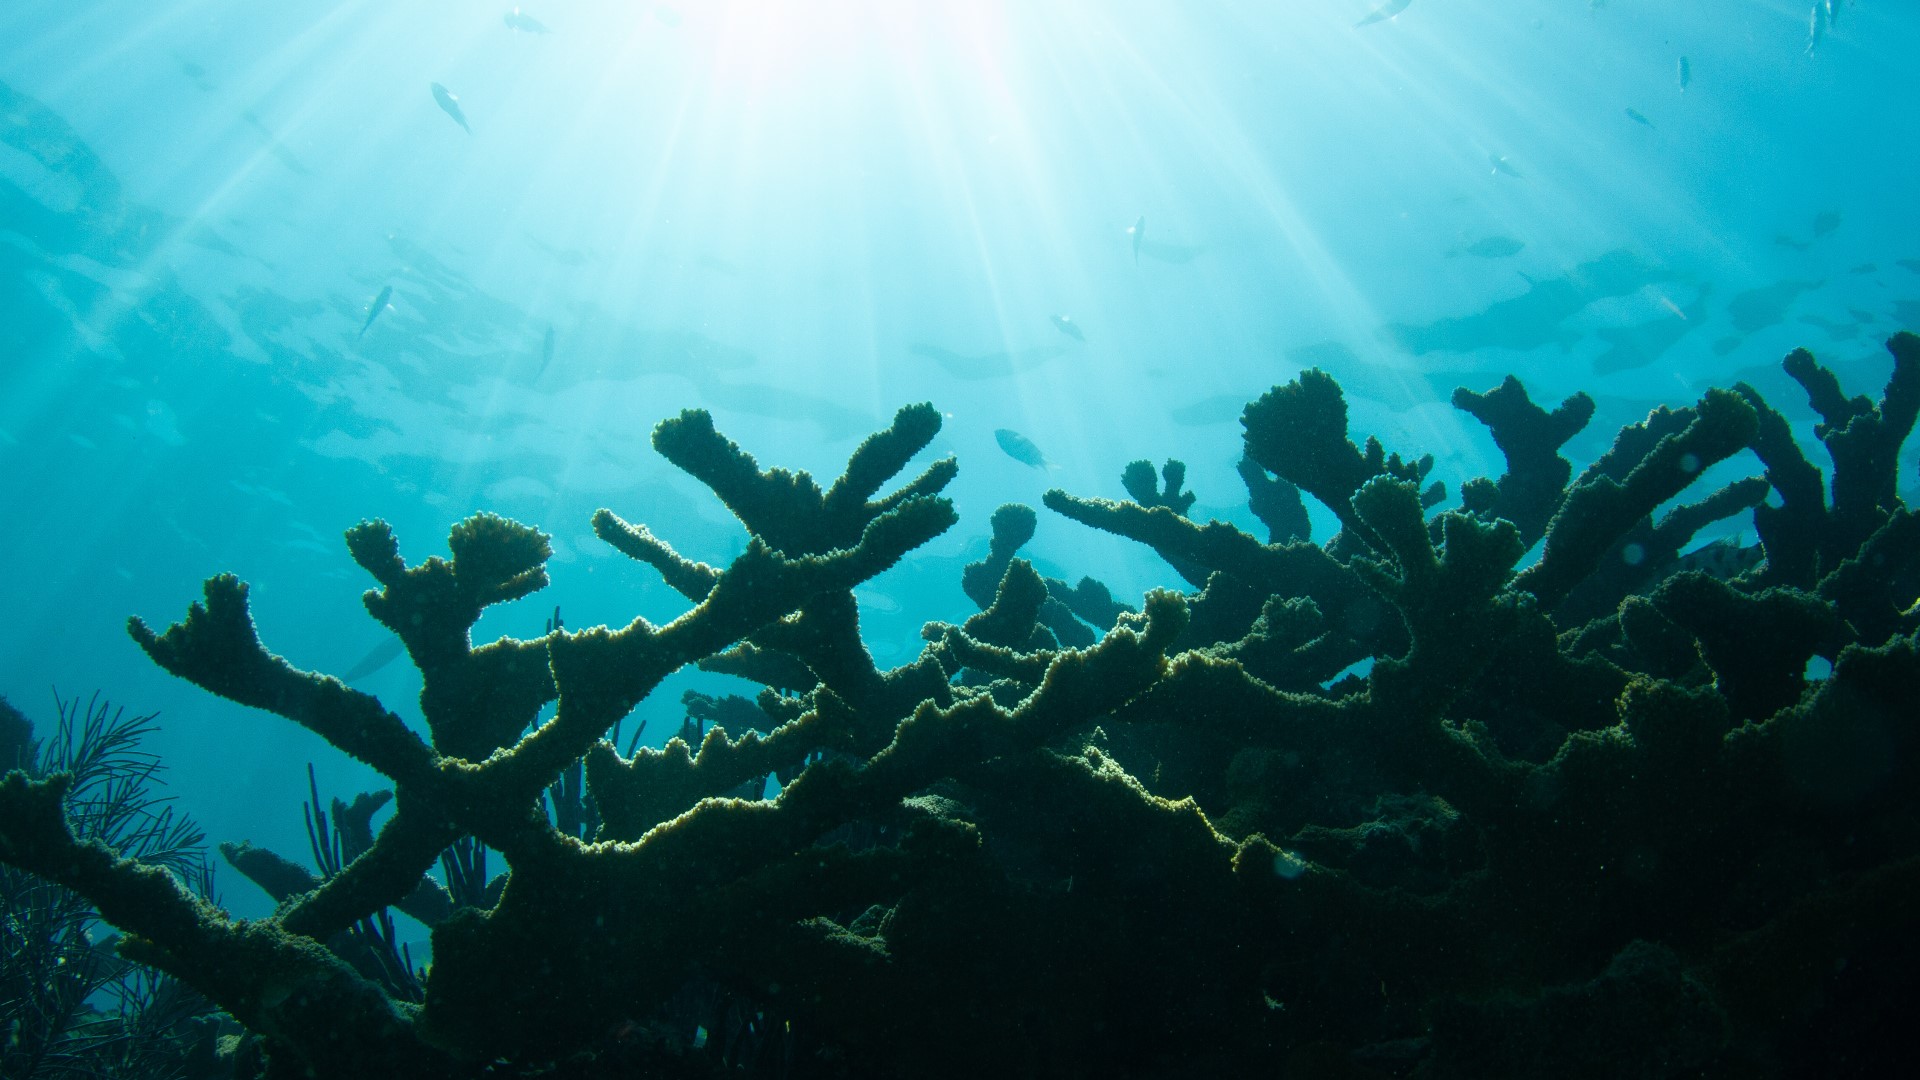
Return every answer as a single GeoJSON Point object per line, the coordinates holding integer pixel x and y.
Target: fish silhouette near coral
{"type": "Point", "coordinates": [379, 305]}
{"type": "Point", "coordinates": [377, 657]}
{"type": "Point", "coordinates": [520, 22]}
{"type": "Point", "coordinates": [1488, 247]}
{"type": "Point", "coordinates": [1021, 449]}
{"type": "Point", "coordinates": [450, 105]}
{"type": "Point", "coordinates": [1384, 12]}
{"type": "Point", "coordinates": [546, 353]}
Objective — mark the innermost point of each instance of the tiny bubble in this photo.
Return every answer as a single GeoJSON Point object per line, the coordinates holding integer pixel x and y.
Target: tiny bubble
{"type": "Point", "coordinates": [1689, 463]}
{"type": "Point", "coordinates": [1633, 554]}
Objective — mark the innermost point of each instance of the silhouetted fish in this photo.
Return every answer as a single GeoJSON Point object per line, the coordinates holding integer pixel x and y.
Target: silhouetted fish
{"type": "Point", "coordinates": [1384, 12]}
{"type": "Point", "coordinates": [527, 23]}
{"type": "Point", "coordinates": [451, 106]}
{"type": "Point", "coordinates": [378, 657]}
{"type": "Point", "coordinates": [1643, 344]}
{"type": "Point", "coordinates": [1686, 73]}
{"type": "Point", "coordinates": [1503, 166]}
{"type": "Point", "coordinates": [1020, 448]}
{"type": "Point", "coordinates": [1825, 222]}
{"type": "Point", "coordinates": [1635, 116]}
{"type": "Point", "coordinates": [379, 305]}
{"type": "Point", "coordinates": [1816, 27]}
{"type": "Point", "coordinates": [1067, 326]}
{"type": "Point", "coordinates": [1490, 247]}
{"type": "Point", "coordinates": [1139, 233]}
{"type": "Point", "coordinates": [546, 353]}
{"type": "Point", "coordinates": [1725, 558]}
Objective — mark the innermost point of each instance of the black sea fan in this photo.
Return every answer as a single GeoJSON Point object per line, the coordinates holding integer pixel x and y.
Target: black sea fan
{"type": "Point", "coordinates": [69, 1006]}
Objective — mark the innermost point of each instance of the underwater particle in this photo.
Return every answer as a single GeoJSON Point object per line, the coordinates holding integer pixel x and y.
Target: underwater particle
{"type": "Point", "coordinates": [1066, 325]}
{"type": "Point", "coordinates": [1288, 865]}
{"type": "Point", "coordinates": [1633, 554]}
{"type": "Point", "coordinates": [1689, 463]}
{"type": "Point", "coordinates": [450, 105]}
{"type": "Point", "coordinates": [1021, 449]}
{"type": "Point", "coordinates": [379, 305]}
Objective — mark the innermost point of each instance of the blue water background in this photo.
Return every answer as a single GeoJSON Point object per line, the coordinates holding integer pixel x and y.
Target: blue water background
{"type": "Point", "coordinates": [802, 216]}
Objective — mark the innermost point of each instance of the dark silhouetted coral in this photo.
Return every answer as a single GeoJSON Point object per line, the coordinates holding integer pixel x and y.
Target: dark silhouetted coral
{"type": "Point", "coordinates": [1399, 804]}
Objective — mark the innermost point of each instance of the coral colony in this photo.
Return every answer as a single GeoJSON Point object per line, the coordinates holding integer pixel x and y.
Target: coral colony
{"type": "Point", "coordinates": [1620, 812]}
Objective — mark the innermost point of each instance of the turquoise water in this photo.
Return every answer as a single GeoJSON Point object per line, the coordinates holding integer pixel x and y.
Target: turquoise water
{"type": "Point", "coordinates": [802, 216]}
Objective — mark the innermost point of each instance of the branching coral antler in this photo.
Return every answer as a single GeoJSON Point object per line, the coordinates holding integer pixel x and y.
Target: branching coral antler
{"type": "Point", "coordinates": [479, 775]}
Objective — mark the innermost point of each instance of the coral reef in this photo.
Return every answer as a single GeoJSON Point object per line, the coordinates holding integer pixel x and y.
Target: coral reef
{"type": "Point", "coordinates": [1393, 805]}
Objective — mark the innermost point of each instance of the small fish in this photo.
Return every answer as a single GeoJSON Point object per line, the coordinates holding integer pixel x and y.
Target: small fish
{"type": "Point", "coordinates": [1635, 116]}
{"type": "Point", "coordinates": [379, 305]}
{"type": "Point", "coordinates": [1833, 12]}
{"type": "Point", "coordinates": [1816, 27]}
{"type": "Point", "coordinates": [1785, 241]}
{"type": "Point", "coordinates": [1865, 268]}
{"type": "Point", "coordinates": [1908, 264]}
{"type": "Point", "coordinates": [1066, 325]}
{"type": "Point", "coordinates": [378, 657]}
{"type": "Point", "coordinates": [1490, 247]}
{"type": "Point", "coordinates": [1686, 73]}
{"type": "Point", "coordinates": [1504, 167]}
{"type": "Point", "coordinates": [1384, 12]}
{"type": "Point", "coordinates": [1021, 449]}
{"type": "Point", "coordinates": [1138, 231]}
{"type": "Point", "coordinates": [450, 105]}
{"type": "Point", "coordinates": [1825, 222]}
{"type": "Point", "coordinates": [1724, 558]}
{"type": "Point", "coordinates": [546, 353]}
{"type": "Point", "coordinates": [519, 22]}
